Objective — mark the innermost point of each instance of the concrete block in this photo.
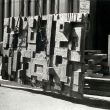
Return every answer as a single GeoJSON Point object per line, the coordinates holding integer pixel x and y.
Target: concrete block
{"type": "Point", "coordinates": [22, 52]}
{"type": "Point", "coordinates": [75, 56]}
{"type": "Point", "coordinates": [11, 40]}
{"type": "Point", "coordinates": [75, 88]}
{"type": "Point", "coordinates": [24, 22]}
{"type": "Point", "coordinates": [64, 27]}
{"type": "Point", "coordinates": [25, 25]}
{"type": "Point", "coordinates": [14, 67]}
{"type": "Point", "coordinates": [7, 30]}
{"type": "Point", "coordinates": [22, 65]}
{"type": "Point", "coordinates": [61, 44]}
{"type": "Point", "coordinates": [32, 37]}
{"type": "Point", "coordinates": [6, 40]}
{"type": "Point", "coordinates": [17, 22]}
{"type": "Point", "coordinates": [16, 60]}
{"type": "Point", "coordinates": [59, 60]}
{"type": "Point", "coordinates": [9, 65]}
{"type": "Point", "coordinates": [76, 77]}
{"type": "Point", "coordinates": [63, 72]}
{"type": "Point", "coordinates": [59, 35]}
{"type": "Point", "coordinates": [57, 44]}
{"type": "Point", "coordinates": [20, 74]}
{"type": "Point", "coordinates": [56, 74]}
{"type": "Point", "coordinates": [6, 53]}
{"type": "Point", "coordinates": [28, 54]}
{"type": "Point", "coordinates": [77, 35]}
{"type": "Point", "coordinates": [77, 81]}
{"type": "Point", "coordinates": [6, 21]}
{"type": "Point", "coordinates": [39, 69]}
{"type": "Point", "coordinates": [12, 22]}
{"type": "Point", "coordinates": [56, 60]}
{"type": "Point", "coordinates": [39, 77]}
{"type": "Point", "coordinates": [61, 52]}
{"type": "Point", "coordinates": [48, 32]}
{"type": "Point", "coordinates": [64, 61]}
{"type": "Point", "coordinates": [76, 17]}
{"type": "Point", "coordinates": [59, 73]}
{"type": "Point", "coordinates": [80, 17]}
{"type": "Point", "coordinates": [31, 47]}
{"type": "Point", "coordinates": [57, 86]}
{"type": "Point", "coordinates": [41, 55]}
{"type": "Point", "coordinates": [22, 42]}
{"type": "Point", "coordinates": [31, 22]}
{"type": "Point", "coordinates": [68, 83]}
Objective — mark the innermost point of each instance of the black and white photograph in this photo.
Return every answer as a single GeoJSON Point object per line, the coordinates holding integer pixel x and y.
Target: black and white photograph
{"type": "Point", "coordinates": [54, 54]}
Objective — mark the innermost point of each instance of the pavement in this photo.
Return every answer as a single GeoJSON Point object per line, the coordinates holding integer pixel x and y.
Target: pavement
{"type": "Point", "coordinates": [22, 99]}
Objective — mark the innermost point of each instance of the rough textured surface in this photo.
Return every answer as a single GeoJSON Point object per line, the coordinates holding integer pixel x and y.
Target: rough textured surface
{"type": "Point", "coordinates": [33, 40]}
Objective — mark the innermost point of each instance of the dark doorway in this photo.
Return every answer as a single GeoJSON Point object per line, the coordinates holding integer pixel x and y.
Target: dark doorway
{"type": "Point", "coordinates": [97, 38]}
{"type": "Point", "coordinates": [102, 24]}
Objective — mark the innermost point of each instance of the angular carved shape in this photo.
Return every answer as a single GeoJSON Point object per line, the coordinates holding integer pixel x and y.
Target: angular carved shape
{"type": "Point", "coordinates": [75, 56]}
{"type": "Point", "coordinates": [39, 69]}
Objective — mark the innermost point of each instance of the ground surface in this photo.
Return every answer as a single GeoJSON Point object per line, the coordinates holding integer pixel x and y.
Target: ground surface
{"type": "Point", "coordinates": [15, 99]}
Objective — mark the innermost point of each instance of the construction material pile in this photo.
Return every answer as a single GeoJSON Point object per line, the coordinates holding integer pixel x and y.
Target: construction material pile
{"type": "Point", "coordinates": [96, 64]}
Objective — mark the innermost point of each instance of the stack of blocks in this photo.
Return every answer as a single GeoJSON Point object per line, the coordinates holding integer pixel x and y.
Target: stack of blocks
{"type": "Point", "coordinates": [57, 65]}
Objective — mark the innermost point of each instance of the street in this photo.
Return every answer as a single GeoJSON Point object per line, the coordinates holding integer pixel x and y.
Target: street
{"type": "Point", "coordinates": [18, 99]}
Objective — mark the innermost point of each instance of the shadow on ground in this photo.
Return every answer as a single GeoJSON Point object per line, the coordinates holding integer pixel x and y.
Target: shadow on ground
{"type": "Point", "coordinates": [91, 102]}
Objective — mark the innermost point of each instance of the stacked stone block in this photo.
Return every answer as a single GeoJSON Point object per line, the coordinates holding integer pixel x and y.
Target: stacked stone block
{"type": "Point", "coordinates": [57, 64]}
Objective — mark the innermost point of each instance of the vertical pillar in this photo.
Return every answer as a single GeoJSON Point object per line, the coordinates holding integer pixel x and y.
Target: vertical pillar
{"type": "Point", "coordinates": [63, 6]}
{"type": "Point", "coordinates": [6, 8]}
{"type": "Point", "coordinates": [70, 6]}
{"type": "Point", "coordinates": [75, 6]}
{"type": "Point", "coordinates": [48, 7]}
{"type": "Point", "coordinates": [44, 7]}
{"type": "Point", "coordinates": [37, 7]}
{"type": "Point", "coordinates": [109, 52]}
{"type": "Point", "coordinates": [1, 19]}
{"type": "Point", "coordinates": [56, 7]}
{"type": "Point", "coordinates": [53, 6]}
{"type": "Point", "coordinates": [12, 8]}
{"type": "Point", "coordinates": [26, 7]}
{"type": "Point", "coordinates": [32, 7]}
{"type": "Point", "coordinates": [40, 7]}
{"type": "Point", "coordinates": [18, 6]}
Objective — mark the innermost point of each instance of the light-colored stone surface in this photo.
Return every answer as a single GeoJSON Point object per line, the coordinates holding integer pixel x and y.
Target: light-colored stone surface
{"type": "Point", "coordinates": [12, 99]}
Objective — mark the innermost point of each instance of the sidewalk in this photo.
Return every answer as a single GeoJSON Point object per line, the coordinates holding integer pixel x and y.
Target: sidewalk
{"type": "Point", "coordinates": [19, 99]}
